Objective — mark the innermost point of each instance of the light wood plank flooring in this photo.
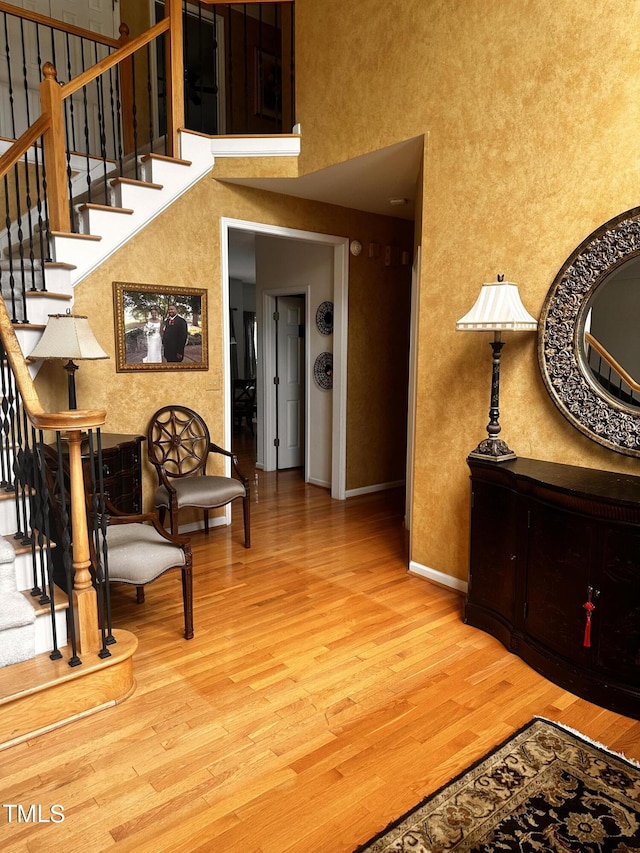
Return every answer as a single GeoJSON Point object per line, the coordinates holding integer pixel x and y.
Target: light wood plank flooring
{"type": "Point", "coordinates": [326, 691]}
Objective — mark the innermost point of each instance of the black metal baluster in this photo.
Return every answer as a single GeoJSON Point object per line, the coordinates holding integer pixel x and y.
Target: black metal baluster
{"type": "Point", "coordinates": [134, 119]}
{"type": "Point", "coordinates": [71, 141]}
{"type": "Point", "coordinates": [30, 271]}
{"type": "Point", "coordinates": [5, 481]}
{"type": "Point", "coordinates": [216, 83]}
{"type": "Point", "coordinates": [119, 152]}
{"type": "Point", "coordinates": [230, 76]}
{"type": "Point", "coordinates": [9, 250]}
{"type": "Point", "coordinates": [245, 34]}
{"type": "Point", "coordinates": [150, 99]}
{"type": "Point", "coordinates": [68, 133]}
{"type": "Point", "coordinates": [87, 144]}
{"type": "Point", "coordinates": [21, 241]}
{"type": "Point", "coordinates": [102, 126]}
{"type": "Point", "coordinates": [7, 51]}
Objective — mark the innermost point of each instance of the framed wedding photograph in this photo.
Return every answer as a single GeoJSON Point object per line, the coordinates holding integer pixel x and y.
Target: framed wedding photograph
{"type": "Point", "coordinates": [159, 327]}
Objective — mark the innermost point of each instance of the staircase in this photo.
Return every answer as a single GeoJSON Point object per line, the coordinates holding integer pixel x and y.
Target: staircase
{"type": "Point", "coordinates": [102, 230]}
{"type": "Point", "coordinates": [37, 693]}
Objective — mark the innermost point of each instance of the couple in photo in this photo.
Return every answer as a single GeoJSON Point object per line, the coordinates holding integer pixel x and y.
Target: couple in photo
{"type": "Point", "coordinates": [168, 336]}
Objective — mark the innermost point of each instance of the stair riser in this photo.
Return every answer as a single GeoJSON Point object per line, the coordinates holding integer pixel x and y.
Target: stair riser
{"type": "Point", "coordinates": [39, 308]}
{"type": "Point", "coordinates": [44, 631]}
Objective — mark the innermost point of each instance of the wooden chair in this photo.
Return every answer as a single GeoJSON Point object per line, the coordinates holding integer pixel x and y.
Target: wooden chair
{"type": "Point", "coordinates": [138, 551]}
{"type": "Point", "coordinates": [244, 402]}
{"type": "Point", "coordinates": [124, 548]}
{"type": "Point", "coordinates": [179, 447]}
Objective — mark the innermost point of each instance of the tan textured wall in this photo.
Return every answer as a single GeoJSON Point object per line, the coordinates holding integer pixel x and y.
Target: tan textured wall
{"type": "Point", "coordinates": [531, 110]}
{"type": "Point", "coordinates": [182, 247]}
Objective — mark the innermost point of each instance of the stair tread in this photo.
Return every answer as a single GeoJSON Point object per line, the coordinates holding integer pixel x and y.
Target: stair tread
{"type": "Point", "coordinates": [135, 183]}
{"type": "Point", "coordinates": [18, 545]}
{"type": "Point", "coordinates": [61, 601]}
{"type": "Point", "coordinates": [75, 236]}
{"type": "Point", "coordinates": [58, 265]}
{"type": "Point", "coordinates": [92, 206]}
{"type": "Point", "coordinates": [165, 158]}
{"type": "Point", "coordinates": [33, 294]}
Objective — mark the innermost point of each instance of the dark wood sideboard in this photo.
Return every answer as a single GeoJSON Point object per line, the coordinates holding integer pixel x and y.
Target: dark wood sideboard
{"type": "Point", "coordinates": [546, 540]}
{"type": "Point", "coordinates": [121, 469]}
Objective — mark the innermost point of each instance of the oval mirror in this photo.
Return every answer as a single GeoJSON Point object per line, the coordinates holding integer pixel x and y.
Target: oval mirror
{"type": "Point", "coordinates": [589, 346]}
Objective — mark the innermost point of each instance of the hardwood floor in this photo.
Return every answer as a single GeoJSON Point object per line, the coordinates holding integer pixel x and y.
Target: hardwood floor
{"type": "Point", "coordinates": [326, 691]}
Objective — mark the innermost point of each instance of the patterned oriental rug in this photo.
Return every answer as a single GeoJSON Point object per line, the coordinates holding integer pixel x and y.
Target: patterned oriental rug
{"type": "Point", "coordinates": [544, 790]}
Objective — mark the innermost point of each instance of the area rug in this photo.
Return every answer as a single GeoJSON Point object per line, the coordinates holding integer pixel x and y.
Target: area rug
{"type": "Point", "coordinates": [546, 788]}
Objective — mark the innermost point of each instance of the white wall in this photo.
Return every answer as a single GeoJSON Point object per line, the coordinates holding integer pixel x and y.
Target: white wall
{"type": "Point", "coordinates": [295, 266]}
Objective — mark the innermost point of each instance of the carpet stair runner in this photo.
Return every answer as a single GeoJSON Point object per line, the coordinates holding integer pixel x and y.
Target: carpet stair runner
{"type": "Point", "coordinates": [17, 614]}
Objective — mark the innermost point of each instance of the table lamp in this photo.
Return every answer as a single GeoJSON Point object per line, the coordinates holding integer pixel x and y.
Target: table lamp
{"type": "Point", "coordinates": [68, 336]}
{"type": "Point", "coordinates": [497, 309]}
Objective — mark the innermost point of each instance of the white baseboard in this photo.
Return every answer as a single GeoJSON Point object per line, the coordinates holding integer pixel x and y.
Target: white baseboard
{"type": "Point", "coordinates": [377, 487]}
{"type": "Point", "coordinates": [322, 483]}
{"type": "Point", "coordinates": [438, 577]}
{"type": "Point", "coordinates": [218, 521]}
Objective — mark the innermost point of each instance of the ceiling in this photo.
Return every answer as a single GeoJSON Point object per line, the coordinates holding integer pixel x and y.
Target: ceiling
{"type": "Point", "coordinates": [364, 183]}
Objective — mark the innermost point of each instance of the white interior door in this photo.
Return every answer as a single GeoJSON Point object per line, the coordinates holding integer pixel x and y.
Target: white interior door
{"type": "Point", "coordinates": [289, 384]}
{"type": "Point", "coordinates": [99, 16]}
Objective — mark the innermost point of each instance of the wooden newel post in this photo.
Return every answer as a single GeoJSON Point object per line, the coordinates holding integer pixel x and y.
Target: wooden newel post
{"type": "Point", "coordinates": [51, 103]}
{"type": "Point", "coordinates": [174, 75]}
{"type": "Point", "coordinates": [126, 94]}
{"type": "Point", "coordinates": [84, 595]}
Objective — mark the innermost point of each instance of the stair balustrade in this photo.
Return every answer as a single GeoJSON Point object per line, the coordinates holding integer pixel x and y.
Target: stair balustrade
{"type": "Point", "coordinates": [25, 427]}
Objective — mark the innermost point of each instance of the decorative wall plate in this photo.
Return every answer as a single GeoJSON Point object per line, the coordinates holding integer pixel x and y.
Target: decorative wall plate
{"type": "Point", "coordinates": [323, 371]}
{"type": "Point", "coordinates": [324, 318]}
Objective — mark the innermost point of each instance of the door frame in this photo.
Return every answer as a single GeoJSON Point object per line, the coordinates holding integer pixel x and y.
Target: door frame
{"type": "Point", "coordinates": [413, 374]}
{"type": "Point", "coordinates": [340, 336]}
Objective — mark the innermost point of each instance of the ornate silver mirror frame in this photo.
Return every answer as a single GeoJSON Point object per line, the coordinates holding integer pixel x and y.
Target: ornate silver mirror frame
{"type": "Point", "coordinates": [568, 378]}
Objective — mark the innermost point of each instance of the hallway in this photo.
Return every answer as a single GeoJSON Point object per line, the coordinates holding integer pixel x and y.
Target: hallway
{"type": "Point", "coordinates": [325, 692]}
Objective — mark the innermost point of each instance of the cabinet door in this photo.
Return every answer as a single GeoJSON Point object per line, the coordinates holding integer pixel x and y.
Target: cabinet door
{"type": "Point", "coordinates": [492, 578]}
{"type": "Point", "coordinates": [616, 619]}
{"type": "Point", "coordinates": [557, 577]}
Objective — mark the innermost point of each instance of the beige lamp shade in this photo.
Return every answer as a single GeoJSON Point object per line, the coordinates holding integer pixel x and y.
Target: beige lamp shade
{"type": "Point", "coordinates": [498, 308]}
{"type": "Point", "coordinates": [68, 336]}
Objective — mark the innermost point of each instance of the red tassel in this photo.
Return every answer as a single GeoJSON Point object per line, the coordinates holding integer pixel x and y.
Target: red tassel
{"type": "Point", "coordinates": [589, 607]}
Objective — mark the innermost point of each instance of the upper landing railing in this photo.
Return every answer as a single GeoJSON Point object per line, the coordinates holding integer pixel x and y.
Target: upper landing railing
{"type": "Point", "coordinates": [83, 109]}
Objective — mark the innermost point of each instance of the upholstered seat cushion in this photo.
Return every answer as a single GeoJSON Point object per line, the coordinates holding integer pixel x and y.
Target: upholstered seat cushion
{"type": "Point", "coordinates": [202, 492]}
{"type": "Point", "coordinates": [138, 553]}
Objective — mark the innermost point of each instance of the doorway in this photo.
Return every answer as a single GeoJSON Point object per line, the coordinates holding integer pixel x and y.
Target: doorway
{"type": "Point", "coordinates": [323, 418]}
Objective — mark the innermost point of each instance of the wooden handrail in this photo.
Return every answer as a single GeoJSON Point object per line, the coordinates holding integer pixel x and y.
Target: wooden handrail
{"type": "Point", "coordinates": [610, 360]}
{"type": "Point", "coordinates": [23, 143]}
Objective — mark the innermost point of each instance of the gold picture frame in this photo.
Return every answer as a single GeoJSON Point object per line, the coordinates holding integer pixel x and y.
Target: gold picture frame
{"type": "Point", "coordinates": [147, 338]}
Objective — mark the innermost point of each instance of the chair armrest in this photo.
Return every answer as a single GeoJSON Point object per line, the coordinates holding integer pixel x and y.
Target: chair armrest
{"type": "Point", "coordinates": [214, 448]}
{"type": "Point", "coordinates": [114, 517]}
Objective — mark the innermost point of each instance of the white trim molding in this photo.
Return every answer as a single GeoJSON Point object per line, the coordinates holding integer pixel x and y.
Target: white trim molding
{"type": "Point", "coordinates": [438, 577]}
{"type": "Point", "coordinates": [376, 487]}
{"type": "Point", "coordinates": [285, 145]}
